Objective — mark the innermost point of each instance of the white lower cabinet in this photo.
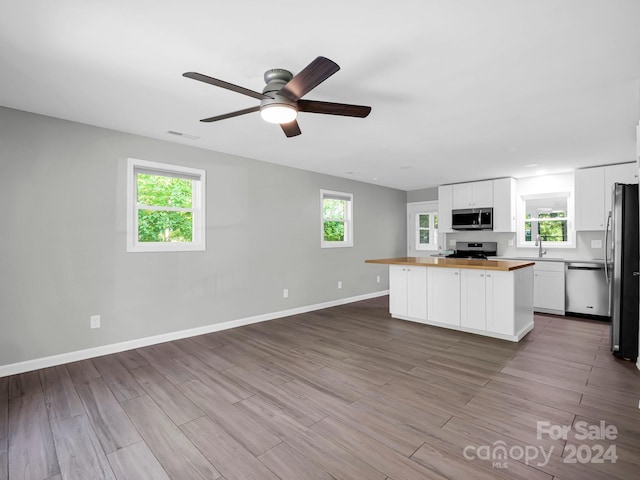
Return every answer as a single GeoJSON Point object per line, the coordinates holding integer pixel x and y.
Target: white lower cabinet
{"type": "Point", "coordinates": [444, 295]}
{"type": "Point", "coordinates": [408, 291]}
{"type": "Point", "coordinates": [548, 287]}
{"type": "Point", "coordinates": [487, 300]}
{"type": "Point", "coordinates": [495, 303]}
{"type": "Point", "coordinates": [473, 299]}
{"type": "Point", "coordinates": [501, 299]}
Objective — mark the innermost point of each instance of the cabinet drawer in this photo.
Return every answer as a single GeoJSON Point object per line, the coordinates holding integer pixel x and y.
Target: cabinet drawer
{"type": "Point", "coordinates": [548, 266]}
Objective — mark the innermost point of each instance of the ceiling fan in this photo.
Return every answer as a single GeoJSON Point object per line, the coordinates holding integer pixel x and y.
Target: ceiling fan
{"type": "Point", "coordinates": [281, 98]}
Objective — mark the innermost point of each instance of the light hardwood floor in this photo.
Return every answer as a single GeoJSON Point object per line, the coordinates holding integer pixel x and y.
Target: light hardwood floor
{"type": "Point", "coordinates": [344, 393]}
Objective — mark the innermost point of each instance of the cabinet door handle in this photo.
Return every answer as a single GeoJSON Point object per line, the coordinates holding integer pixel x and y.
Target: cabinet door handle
{"type": "Point", "coordinates": [455, 273]}
{"type": "Point", "coordinates": [488, 274]}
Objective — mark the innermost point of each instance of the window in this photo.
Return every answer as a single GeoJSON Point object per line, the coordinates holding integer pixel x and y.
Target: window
{"type": "Point", "coordinates": [426, 231]}
{"type": "Point", "coordinates": [546, 217]}
{"type": "Point", "coordinates": [337, 219]}
{"type": "Point", "coordinates": [422, 227]}
{"type": "Point", "coordinates": [165, 207]}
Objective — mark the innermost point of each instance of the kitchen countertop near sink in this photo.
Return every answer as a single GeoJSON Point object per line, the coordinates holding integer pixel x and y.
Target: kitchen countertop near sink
{"type": "Point", "coordinates": [549, 259]}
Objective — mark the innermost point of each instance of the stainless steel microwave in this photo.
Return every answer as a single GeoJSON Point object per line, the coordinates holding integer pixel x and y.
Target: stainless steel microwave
{"type": "Point", "coordinates": [472, 219]}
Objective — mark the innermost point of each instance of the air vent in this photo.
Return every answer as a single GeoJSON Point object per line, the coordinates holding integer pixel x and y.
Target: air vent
{"type": "Point", "coordinates": [184, 135]}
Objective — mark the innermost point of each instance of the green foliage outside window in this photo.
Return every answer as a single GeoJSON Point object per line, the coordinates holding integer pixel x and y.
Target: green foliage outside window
{"type": "Point", "coordinates": [164, 225]}
{"type": "Point", "coordinates": [333, 231]}
{"type": "Point", "coordinates": [549, 229]}
{"type": "Point", "coordinates": [423, 221]}
{"type": "Point", "coordinates": [334, 212]}
{"type": "Point", "coordinates": [424, 227]}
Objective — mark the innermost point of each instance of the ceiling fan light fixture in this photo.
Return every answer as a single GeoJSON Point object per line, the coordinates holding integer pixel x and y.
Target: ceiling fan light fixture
{"type": "Point", "coordinates": [278, 113]}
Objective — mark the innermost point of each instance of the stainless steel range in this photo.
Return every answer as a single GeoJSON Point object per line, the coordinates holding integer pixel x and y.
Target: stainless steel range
{"type": "Point", "coordinates": [477, 250]}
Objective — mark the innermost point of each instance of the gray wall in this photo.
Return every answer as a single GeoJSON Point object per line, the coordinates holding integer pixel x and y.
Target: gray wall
{"type": "Point", "coordinates": [63, 247]}
{"type": "Point", "coordinates": [422, 195]}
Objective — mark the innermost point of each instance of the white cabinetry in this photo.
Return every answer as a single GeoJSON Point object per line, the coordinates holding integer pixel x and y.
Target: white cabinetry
{"type": "Point", "coordinates": [590, 199]}
{"type": "Point", "coordinates": [621, 173]}
{"type": "Point", "coordinates": [408, 291]}
{"type": "Point", "coordinates": [502, 317]}
{"type": "Point", "coordinates": [494, 303]}
{"type": "Point", "coordinates": [593, 193]}
{"type": "Point", "coordinates": [548, 287]}
{"type": "Point", "coordinates": [488, 300]}
{"type": "Point", "coordinates": [504, 205]}
{"type": "Point", "coordinates": [473, 195]}
{"type": "Point", "coordinates": [445, 205]}
{"type": "Point", "coordinates": [444, 295]}
{"type": "Point", "coordinates": [473, 299]}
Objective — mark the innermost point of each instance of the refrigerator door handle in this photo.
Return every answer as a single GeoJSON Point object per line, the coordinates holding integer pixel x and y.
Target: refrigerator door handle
{"type": "Point", "coordinates": [606, 246]}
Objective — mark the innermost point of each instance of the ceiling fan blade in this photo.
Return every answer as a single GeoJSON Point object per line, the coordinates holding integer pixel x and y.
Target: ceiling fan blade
{"type": "Point", "coordinates": [329, 108]}
{"type": "Point", "coordinates": [222, 84]}
{"type": "Point", "coordinates": [310, 77]}
{"type": "Point", "coordinates": [291, 129]}
{"type": "Point", "coordinates": [232, 114]}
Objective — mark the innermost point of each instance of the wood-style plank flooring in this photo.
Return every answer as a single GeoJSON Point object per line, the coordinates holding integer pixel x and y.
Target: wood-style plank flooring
{"type": "Point", "coordinates": [342, 393]}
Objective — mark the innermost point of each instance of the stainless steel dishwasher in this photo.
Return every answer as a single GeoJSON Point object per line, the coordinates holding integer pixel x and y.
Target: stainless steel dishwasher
{"type": "Point", "coordinates": [586, 289]}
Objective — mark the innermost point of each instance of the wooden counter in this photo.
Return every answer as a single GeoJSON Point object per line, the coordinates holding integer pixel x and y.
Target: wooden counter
{"type": "Point", "coordinates": [503, 265]}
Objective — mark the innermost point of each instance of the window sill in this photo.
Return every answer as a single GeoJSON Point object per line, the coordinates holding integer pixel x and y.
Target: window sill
{"type": "Point", "coordinates": [165, 247]}
{"type": "Point", "coordinates": [336, 245]}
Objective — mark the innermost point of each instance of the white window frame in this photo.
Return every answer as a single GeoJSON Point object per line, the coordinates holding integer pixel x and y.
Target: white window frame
{"type": "Point", "coordinates": [571, 232]}
{"type": "Point", "coordinates": [348, 220]}
{"type": "Point", "coordinates": [198, 176]}
{"type": "Point", "coordinates": [414, 210]}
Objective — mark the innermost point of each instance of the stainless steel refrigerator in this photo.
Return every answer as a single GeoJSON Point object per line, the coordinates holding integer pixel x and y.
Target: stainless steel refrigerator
{"type": "Point", "coordinates": [623, 267]}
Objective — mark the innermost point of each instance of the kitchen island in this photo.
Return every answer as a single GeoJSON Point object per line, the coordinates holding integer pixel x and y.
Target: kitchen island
{"type": "Point", "coordinates": [486, 297]}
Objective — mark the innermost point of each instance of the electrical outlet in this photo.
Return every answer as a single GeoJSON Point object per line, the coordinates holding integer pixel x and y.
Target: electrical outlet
{"type": "Point", "coordinates": [285, 293]}
{"type": "Point", "coordinates": [511, 242]}
{"type": "Point", "coordinates": [596, 243]}
{"type": "Point", "coordinates": [94, 321]}
{"type": "Point", "coordinates": [378, 279]}
{"type": "Point", "coordinates": [339, 283]}
{"type": "Point", "coordinates": [452, 243]}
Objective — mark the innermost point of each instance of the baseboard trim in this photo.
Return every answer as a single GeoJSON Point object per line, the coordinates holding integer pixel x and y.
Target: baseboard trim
{"type": "Point", "coordinates": [53, 360]}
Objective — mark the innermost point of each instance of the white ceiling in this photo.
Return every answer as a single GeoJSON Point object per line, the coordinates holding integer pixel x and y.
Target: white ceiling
{"type": "Point", "coordinates": [460, 89]}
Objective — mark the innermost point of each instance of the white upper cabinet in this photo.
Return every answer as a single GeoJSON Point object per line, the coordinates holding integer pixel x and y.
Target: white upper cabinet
{"type": "Point", "coordinates": [473, 195]}
{"type": "Point", "coordinates": [590, 199]}
{"type": "Point", "coordinates": [593, 193]}
{"type": "Point", "coordinates": [504, 205]}
{"type": "Point", "coordinates": [445, 199]}
{"type": "Point", "coordinates": [499, 194]}
{"type": "Point", "coordinates": [621, 173]}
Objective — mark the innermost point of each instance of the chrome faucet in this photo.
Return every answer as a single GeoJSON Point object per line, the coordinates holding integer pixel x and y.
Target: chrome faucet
{"type": "Point", "coordinates": [538, 244]}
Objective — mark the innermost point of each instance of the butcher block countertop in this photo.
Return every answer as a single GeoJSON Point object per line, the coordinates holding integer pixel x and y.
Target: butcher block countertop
{"type": "Point", "coordinates": [504, 265]}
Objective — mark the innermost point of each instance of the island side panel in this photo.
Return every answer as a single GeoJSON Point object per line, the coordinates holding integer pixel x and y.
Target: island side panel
{"type": "Point", "coordinates": [523, 301]}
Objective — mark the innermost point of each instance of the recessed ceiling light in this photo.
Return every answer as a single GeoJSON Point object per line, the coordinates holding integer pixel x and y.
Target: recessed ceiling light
{"type": "Point", "coordinates": [541, 172]}
{"type": "Point", "coordinates": [375, 179]}
{"type": "Point", "coordinates": [531, 165]}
